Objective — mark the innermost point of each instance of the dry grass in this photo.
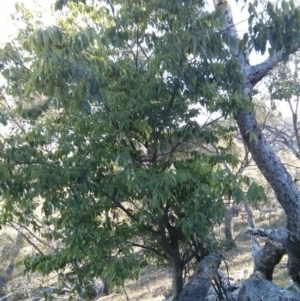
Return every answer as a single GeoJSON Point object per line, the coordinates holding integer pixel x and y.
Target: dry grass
{"type": "Point", "coordinates": [151, 286]}
{"type": "Point", "coordinates": [239, 260]}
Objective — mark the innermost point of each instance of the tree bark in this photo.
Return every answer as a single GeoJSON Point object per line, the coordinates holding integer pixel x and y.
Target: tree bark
{"type": "Point", "coordinates": [105, 286]}
{"type": "Point", "coordinates": [197, 288]}
{"type": "Point", "coordinates": [266, 259]}
{"type": "Point", "coordinates": [286, 191]}
{"type": "Point", "coordinates": [263, 290]}
{"type": "Point", "coordinates": [170, 246]}
{"type": "Point", "coordinates": [177, 279]}
{"type": "Point", "coordinates": [229, 213]}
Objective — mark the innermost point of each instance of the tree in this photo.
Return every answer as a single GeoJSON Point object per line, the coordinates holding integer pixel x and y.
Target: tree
{"type": "Point", "coordinates": [283, 84]}
{"type": "Point", "coordinates": [107, 144]}
{"type": "Point", "coordinates": [279, 26]}
{"type": "Point", "coordinates": [109, 97]}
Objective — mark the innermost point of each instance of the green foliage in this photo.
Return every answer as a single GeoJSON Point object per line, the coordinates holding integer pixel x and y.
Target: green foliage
{"type": "Point", "coordinates": [60, 4]}
{"type": "Point", "coordinates": [112, 149]}
{"type": "Point", "coordinates": [277, 26]}
{"type": "Point", "coordinates": [284, 84]}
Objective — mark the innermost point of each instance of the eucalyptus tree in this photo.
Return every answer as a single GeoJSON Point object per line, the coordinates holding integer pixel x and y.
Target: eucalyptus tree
{"type": "Point", "coordinates": [110, 143]}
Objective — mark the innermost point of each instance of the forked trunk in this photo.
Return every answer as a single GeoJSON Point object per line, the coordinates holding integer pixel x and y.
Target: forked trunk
{"type": "Point", "coordinates": [266, 260]}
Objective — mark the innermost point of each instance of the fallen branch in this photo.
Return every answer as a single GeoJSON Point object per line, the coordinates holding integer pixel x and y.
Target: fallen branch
{"type": "Point", "coordinates": [260, 289]}
{"type": "Point", "coordinates": [198, 286]}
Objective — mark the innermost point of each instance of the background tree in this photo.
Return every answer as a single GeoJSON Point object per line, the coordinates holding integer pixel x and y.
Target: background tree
{"type": "Point", "coordinates": [283, 84]}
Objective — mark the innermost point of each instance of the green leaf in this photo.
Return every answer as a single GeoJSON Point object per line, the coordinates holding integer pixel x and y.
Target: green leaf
{"type": "Point", "coordinates": [285, 6]}
{"type": "Point", "coordinates": [28, 89]}
{"type": "Point", "coordinates": [111, 138]}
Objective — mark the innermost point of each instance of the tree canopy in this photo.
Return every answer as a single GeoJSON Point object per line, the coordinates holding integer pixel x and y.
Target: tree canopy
{"type": "Point", "coordinates": [107, 140]}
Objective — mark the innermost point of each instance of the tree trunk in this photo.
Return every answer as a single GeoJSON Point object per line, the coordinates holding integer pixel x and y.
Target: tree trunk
{"type": "Point", "coordinates": [263, 290]}
{"type": "Point", "coordinates": [266, 260]}
{"type": "Point", "coordinates": [198, 286]}
{"type": "Point", "coordinates": [286, 191]}
{"type": "Point", "coordinates": [229, 213]}
{"type": "Point", "coordinates": [255, 240]}
{"type": "Point", "coordinates": [170, 246]}
{"type": "Point", "coordinates": [105, 286]}
{"type": "Point", "coordinates": [177, 279]}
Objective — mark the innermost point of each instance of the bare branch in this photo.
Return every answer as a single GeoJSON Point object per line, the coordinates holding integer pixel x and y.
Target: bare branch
{"type": "Point", "coordinates": [280, 235]}
{"type": "Point", "coordinates": [27, 239]}
{"type": "Point", "coordinates": [36, 237]}
{"type": "Point", "coordinates": [133, 244]}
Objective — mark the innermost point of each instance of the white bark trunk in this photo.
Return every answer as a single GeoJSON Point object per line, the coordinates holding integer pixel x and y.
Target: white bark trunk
{"type": "Point", "coordinates": [266, 159]}
{"type": "Point", "coordinates": [229, 237]}
{"type": "Point", "coordinates": [255, 240]}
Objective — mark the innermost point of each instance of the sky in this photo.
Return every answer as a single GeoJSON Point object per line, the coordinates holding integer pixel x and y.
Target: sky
{"type": "Point", "coordinates": [7, 8]}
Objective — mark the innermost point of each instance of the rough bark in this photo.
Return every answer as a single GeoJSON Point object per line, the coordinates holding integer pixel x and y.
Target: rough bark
{"type": "Point", "coordinates": [177, 279]}
{"type": "Point", "coordinates": [270, 255]}
{"type": "Point", "coordinates": [287, 193]}
{"type": "Point", "coordinates": [278, 235]}
{"type": "Point", "coordinates": [170, 245]}
{"type": "Point", "coordinates": [255, 241]}
{"type": "Point", "coordinates": [229, 213]}
{"type": "Point", "coordinates": [266, 260]}
{"type": "Point", "coordinates": [263, 290]}
{"type": "Point", "coordinates": [198, 286]}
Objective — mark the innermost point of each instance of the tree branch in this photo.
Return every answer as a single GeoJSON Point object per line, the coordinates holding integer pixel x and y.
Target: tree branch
{"type": "Point", "coordinates": [27, 239]}
{"type": "Point", "coordinates": [131, 216]}
{"type": "Point", "coordinates": [259, 71]}
{"type": "Point", "coordinates": [133, 244]}
{"type": "Point", "coordinates": [36, 237]}
{"type": "Point", "coordinates": [163, 238]}
{"type": "Point", "coordinates": [279, 235]}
